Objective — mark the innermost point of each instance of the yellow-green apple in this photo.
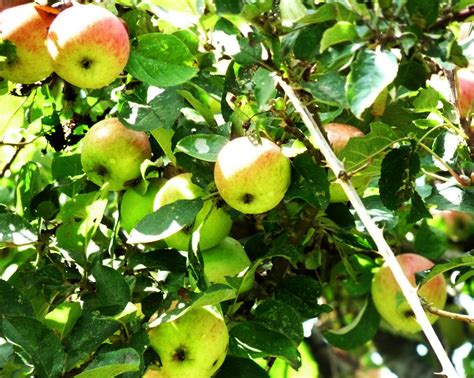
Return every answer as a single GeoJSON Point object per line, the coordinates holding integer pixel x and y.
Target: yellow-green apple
{"type": "Point", "coordinates": [89, 46]}
{"type": "Point", "coordinates": [112, 154]}
{"type": "Point", "coordinates": [134, 206]}
{"type": "Point", "coordinates": [227, 259]}
{"type": "Point", "coordinates": [191, 346]}
{"type": "Point", "coordinates": [26, 26]}
{"type": "Point", "coordinates": [339, 135]}
{"type": "Point", "coordinates": [214, 221]}
{"type": "Point", "coordinates": [390, 301]}
{"type": "Point", "coordinates": [466, 91]}
{"type": "Point", "coordinates": [252, 177]}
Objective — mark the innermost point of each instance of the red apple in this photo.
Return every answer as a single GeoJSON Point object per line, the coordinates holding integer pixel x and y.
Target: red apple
{"type": "Point", "coordinates": [466, 92]}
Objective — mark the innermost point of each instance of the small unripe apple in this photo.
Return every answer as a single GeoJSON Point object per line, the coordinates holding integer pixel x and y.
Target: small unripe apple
{"type": "Point", "coordinates": [26, 26]}
{"type": "Point", "coordinates": [134, 206]}
{"type": "Point", "coordinates": [194, 345]}
{"type": "Point", "coordinates": [252, 177]}
{"type": "Point", "coordinates": [216, 223]}
{"type": "Point", "coordinates": [112, 153]}
{"type": "Point", "coordinates": [466, 91]}
{"type": "Point", "coordinates": [390, 301]}
{"type": "Point", "coordinates": [89, 46]}
{"type": "Point", "coordinates": [227, 259]}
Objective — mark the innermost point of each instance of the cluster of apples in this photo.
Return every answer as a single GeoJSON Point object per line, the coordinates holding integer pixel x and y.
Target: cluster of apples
{"type": "Point", "coordinates": [86, 45]}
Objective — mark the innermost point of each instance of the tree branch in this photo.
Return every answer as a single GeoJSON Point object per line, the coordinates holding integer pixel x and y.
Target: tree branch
{"type": "Point", "coordinates": [446, 314]}
{"type": "Point", "coordinates": [374, 231]}
{"type": "Point", "coordinates": [450, 17]}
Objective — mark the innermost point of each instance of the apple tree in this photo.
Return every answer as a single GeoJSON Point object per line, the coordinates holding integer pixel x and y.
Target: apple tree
{"type": "Point", "coordinates": [236, 188]}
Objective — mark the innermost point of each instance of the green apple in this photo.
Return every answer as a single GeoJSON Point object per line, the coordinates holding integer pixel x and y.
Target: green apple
{"type": "Point", "coordinates": [216, 223]}
{"type": "Point", "coordinates": [192, 346]}
{"type": "Point", "coordinates": [89, 46]}
{"type": "Point", "coordinates": [390, 301]}
{"type": "Point", "coordinates": [112, 153]}
{"type": "Point", "coordinates": [227, 259]}
{"type": "Point", "coordinates": [252, 177]}
{"type": "Point", "coordinates": [134, 206]}
{"type": "Point", "coordinates": [26, 26]}
{"type": "Point", "coordinates": [454, 331]}
{"type": "Point", "coordinates": [466, 91]}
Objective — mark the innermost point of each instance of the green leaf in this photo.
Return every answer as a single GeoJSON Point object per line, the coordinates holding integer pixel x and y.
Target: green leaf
{"type": "Point", "coordinates": [418, 209]}
{"type": "Point", "coordinates": [12, 302]}
{"type": "Point", "coordinates": [264, 87]}
{"type": "Point", "coordinates": [328, 88]}
{"type": "Point", "coordinates": [252, 339]}
{"type": "Point", "coordinates": [291, 11]}
{"type": "Point", "coordinates": [427, 100]}
{"type": "Point", "coordinates": [430, 242]}
{"type": "Point", "coordinates": [250, 50]}
{"type": "Point", "coordinates": [467, 260]}
{"type": "Point", "coordinates": [361, 330]}
{"type": "Point", "coordinates": [112, 363]}
{"type": "Point", "coordinates": [452, 198]}
{"type": "Point", "coordinates": [162, 60]}
{"type": "Point", "coordinates": [14, 230]}
{"type": "Point", "coordinates": [63, 317]}
{"type": "Point", "coordinates": [327, 12]}
{"type": "Point", "coordinates": [309, 182]}
{"type": "Point", "coordinates": [28, 185]}
{"type": "Point", "coordinates": [77, 207]}
{"type": "Point", "coordinates": [371, 72]}
{"type": "Point", "coordinates": [164, 138]}
{"type": "Point", "coordinates": [66, 165]}
{"type": "Point", "coordinates": [166, 221]}
{"type": "Point", "coordinates": [90, 331]}
{"type": "Point", "coordinates": [112, 291]}
{"type": "Point", "coordinates": [301, 293]}
{"type": "Point", "coordinates": [234, 367]}
{"type": "Point", "coordinates": [202, 108]}
{"type": "Point", "coordinates": [281, 317]}
{"type": "Point", "coordinates": [396, 189]}
{"type": "Point", "coordinates": [148, 108]}
{"type": "Point", "coordinates": [41, 347]}
{"type": "Point", "coordinates": [202, 146]}
{"type": "Point", "coordinates": [172, 262]}
{"type": "Point", "coordinates": [342, 31]}
{"type": "Point", "coordinates": [229, 6]}
{"type": "Point", "coordinates": [424, 12]}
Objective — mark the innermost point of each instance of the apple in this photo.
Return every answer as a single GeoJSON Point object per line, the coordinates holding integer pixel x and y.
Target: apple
{"type": "Point", "coordinates": [227, 259]}
{"type": "Point", "coordinates": [390, 301]}
{"type": "Point", "coordinates": [5, 4]}
{"type": "Point", "coordinates": [26, 26]}
{"type": "Point", "coordinates": [112, 154]}
{"type": "Point", "coordinates": [134, 206]}
{"type": "Point", "coordinates": [191, 346]}
{"type": "Point", "coordinates": [89, 46]}
{"type": "Point", "coordinates": [458, 226]}
{"type": "Point", "coordinates": [252, 177]}
{"type": "Point", "coordinates": [466, 92]}
{"type": "Point", "coordinates": [216, 223]}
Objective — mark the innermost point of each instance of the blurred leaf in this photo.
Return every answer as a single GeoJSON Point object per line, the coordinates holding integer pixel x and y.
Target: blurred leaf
{"type": "Point", "coordinates": [148, 108]}
{"type": "Point", "coordinates": [452, 198]}
{"type": "Point", "coordinates": [396, 189]}
{"type": "Point", "coordinates": [138, 22]}
{"type": "Point", "coordinates": [309, 182]}
{"type": "Point", "coordinates": [112, 364]}
{"type": "Point", "coordinates": [112, 291]}
{"type": "Point", "coordinates": [280, 317]}
{"type": "Point", "coordinates": [31, 336]}
{"type": "Point", "coordinates": [229, 6]}
{"type": "Point", "coordinates": [328, 12]}
{"type": "Point", "coordinates": [328, 88]}
{"type": "Point", "coordinates": [166, 221]}
{"type": "Point", "coordinates": [253, 339]}
{"type": "Point", "coordinates": [12, 302]}
{"type": "Point", "coordinates": [66, 165]}
{"type": "Point", "coordinates": [14, 230]}
{"type": "Point", "coordinates": [467, 260]}
{"type": "Point", "coordinates": [162, 60]}
{"type": "Point", "coordinates": [342, 31]}
{"type": "Point", "coordinates": [202, 146]}
{"type": "Point", "coordinates": [291, 11]}
{"type": "Point", "coordinates": [250, 50]}
{"type": "Point", "coordinates": [430, 241]}
{"type": "Point", "coordinates": [264, 87]}
{"type": "Point", "coordinates": [424, 11]}
{"type": "Point", "coordinates": [234, 367]}
{"type": "Point", "coordinates": [28, 184]}
{"type": "Point", "coordinates": [371, 72]}
{"type": "Point", "coordinates": [427, 100]}
{"type": "Point", "coordinates": [361, 330]}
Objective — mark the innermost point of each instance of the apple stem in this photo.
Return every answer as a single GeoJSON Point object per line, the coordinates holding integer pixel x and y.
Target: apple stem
{"type": "Point", "coordinates": [446, 314]}
{"type": "Point", "coordinates": [374, 231]}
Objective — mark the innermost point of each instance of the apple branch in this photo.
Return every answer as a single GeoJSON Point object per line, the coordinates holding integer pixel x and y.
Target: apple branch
{"type": "Point", "coordinates": [446, 314]}
{"type": "Point", "coordinates": [374, 231]}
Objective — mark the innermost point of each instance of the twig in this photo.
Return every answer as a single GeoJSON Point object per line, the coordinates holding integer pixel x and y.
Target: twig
{"type": "Point", "coordinates": [446, 314]}
{"type": "Point", "coordinates": [459, 16]}
{"type": "Point", "coordinates": [12, 159]}
{"type": "Point", "coordinates": [375, 232]}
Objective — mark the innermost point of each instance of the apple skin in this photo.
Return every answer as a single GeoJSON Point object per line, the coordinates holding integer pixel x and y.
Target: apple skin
{"type": "Point", "coordinates": [112, 153]}
{"type": "Point", "coordinates": [466, 92]}
{"type": "Point", "coordinates": [252, 178]}
{"type": "Point", "coordinates": [89, 46]}
{"type": "Point", "coordinates": [5, 4]}
{"type": "Point", "coordinates": [214, 229]}
{"type": "Point", "coordinates": [134, 206]}
{"type": "Point", "coordinates": [192, 346]}
{"type": "Point", "coordinates": [227, 259]}
{"type": "Point", "coordinates": [26, 26]}
{"type": "Point", "coordinates": [389, 300]}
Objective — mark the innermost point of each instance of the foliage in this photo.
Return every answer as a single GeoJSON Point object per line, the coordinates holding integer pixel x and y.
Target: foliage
{"type": "Point", "coordinates": [200, 73]}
